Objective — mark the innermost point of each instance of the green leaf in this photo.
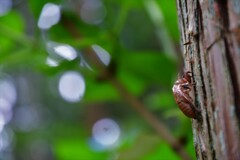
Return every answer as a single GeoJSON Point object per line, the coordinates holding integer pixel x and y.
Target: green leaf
{"type": "Point", "coordinates": [143, 145]}
{"type": "Point", "coordinates": [12, 27]}
{"type": "Point", "coordinates": [169, 10]}
{"type": "Point", "coordinates": [148, 66]}
{"type": "Point", "coordinates": [162, 99]}
{"type": "Point", "coordinates": [163, 151]}
{"type": "Point", "coordinates": [148, 147]}
{"type": "Point", "coordinates": [100, 92]}
{"type": "Point", "coordinates": [75, 148]}
{"type": "Point", "coordinates": [132, 82]}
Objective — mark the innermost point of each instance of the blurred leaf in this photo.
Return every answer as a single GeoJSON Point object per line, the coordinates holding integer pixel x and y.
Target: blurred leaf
{"type": "Point", "coordinates": [138, 33]}
{"type": "Point", "coordinates": [190, 149]}
{"type": "Point", "coordinates": [10, 31]}
{"type": "Point", "coordinates": [71, 142]}
{"type": "Point", "coordinates": [75, 148]}
{"type": "Point", "coordinates": [148, 147]}
{"type": "Point", "coordinates": [100, 92]}
{"type": "Point", "coordinates": [26, 57]}
{"type": "Point", "coordinates": [161, 100]}
{"type": "Point", "coordinates": [162, 152]}
{"type": "Point", "coordinates": [143, 145]}
{"type": "Point", "coordinates": [132, 3]}
{"type": "Point", "coordinates": [132, 82]}
{"type": "Point", "coordinates": [169, 10]}
{"type": "Point", "coordinates": [185, 128]}
{"type": "Point", "coordinates": [148, 66]}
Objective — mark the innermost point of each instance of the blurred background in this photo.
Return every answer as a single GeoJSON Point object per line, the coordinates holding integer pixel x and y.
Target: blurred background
{"type": "Point", "coordinates": [83, 79]}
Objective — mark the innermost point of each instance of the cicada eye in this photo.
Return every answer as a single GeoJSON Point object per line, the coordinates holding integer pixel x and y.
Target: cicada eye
{"type": "Point", "coordinates": [186, 86]}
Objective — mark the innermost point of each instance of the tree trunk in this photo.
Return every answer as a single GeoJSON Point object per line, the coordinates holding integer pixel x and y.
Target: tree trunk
{"type": "Point", "coordinates": [210, 31]}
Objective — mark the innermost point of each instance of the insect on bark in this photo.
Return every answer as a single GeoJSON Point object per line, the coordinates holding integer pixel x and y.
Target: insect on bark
{"type": "Point", "coordinates": [181, 90]}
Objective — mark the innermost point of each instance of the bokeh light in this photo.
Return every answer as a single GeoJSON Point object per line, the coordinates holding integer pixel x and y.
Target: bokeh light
{"type": "Point", "coordinates": [5, 7]}
{"type": "Point", "coordinates": [7, 90]}
{"type": "Point", "coordinates": [106, 132]}
{"type": "Point", "coordinates": [49, 16]}
{"type": "Point", "coordinates": [2, 122]}
{"type": "Point", "coordinates": [6, 139]}
{"type": "Point", "coordinates": [66, 52]}
{"type": "Point", "coordinates": [59, 51]}
{"type": "Point", "coordinates": [102, 54]}
{"type": "Point", "coordinates": [8, 97]}
{"type": "Point", "coordinates": [51, 62]}
{"type": "Point", "coordinates": [71, 86]}
{"type": "Point", "coordinates": [5, 112]}
{"type": "Point", "coordinates": [27, 118]}
{"type": "Point", "coordinates": [92, 11]}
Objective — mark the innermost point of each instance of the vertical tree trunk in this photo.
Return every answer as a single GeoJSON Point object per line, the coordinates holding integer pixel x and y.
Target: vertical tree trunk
{"type": "Point", "coordinates": [210, 31]}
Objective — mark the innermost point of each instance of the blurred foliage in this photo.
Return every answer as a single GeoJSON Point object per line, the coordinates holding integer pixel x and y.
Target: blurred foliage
{"type": "Point", "coordinates": [129, 35]}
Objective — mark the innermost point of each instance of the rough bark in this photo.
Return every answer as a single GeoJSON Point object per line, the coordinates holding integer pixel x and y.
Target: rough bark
{"type": "Point", "coordinates": [210, 31]}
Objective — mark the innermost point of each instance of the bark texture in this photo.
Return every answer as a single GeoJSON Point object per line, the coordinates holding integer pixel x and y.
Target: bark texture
{"type": "Point", "coordinates": [210, 31]}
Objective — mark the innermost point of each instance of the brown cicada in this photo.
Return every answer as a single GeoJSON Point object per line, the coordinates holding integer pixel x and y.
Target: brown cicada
{"type": "Point", "coordinates": [181, 90]}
